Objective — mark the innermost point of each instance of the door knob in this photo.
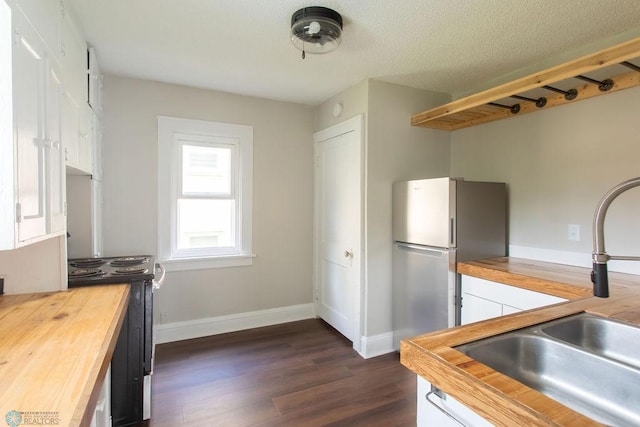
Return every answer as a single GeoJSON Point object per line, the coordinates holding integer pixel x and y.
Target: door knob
{"type": "Point", "coordinates": [348, 254]}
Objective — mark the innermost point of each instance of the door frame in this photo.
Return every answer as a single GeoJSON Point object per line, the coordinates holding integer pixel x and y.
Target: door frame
{"type": "Point", "coordinates": [356, 125]}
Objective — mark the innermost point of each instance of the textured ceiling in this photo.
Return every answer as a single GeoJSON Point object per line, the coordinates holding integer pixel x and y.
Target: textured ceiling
{"type": "Point", "coordinates": [243, 46]}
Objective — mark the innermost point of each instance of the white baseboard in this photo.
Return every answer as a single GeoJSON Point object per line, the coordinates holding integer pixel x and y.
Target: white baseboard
{"type": "Point", "coordinates": [376, 345]}
{"type": "Point", "coordinates": [178, 331]}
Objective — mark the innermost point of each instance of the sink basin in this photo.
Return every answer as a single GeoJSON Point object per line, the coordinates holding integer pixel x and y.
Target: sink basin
{"type": "Point", "coordinates": [584, 374]}
{"type": "Point", "coordinates": [599, 335]}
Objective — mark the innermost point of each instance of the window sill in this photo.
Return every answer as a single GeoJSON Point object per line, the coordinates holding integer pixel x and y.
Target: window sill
{"type": "Point", "coordinates": [185, 264]}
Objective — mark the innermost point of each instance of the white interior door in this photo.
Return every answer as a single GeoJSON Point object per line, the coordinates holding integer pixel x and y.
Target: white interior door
{"type": "Point", "coordinates": [338, 227]}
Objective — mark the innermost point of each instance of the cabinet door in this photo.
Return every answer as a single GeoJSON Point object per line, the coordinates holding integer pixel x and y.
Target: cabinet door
{"type": "Point", "coordinates": [96, 220]}
{"type": "Point", "coordinates": [74, 60]}
{"type": "Point", "coordinates": [70, 127]}
{"type": "Point", "coordinates": [55, 182]}
{"type": "Point", "coordinates": [475, 309]}
{"type": "Point", "coordinates": [95, 83]}
{"type": "Point", "coordinates": [96, 146]}
{"type": "Point", "coordinates": [45, 16]}
{"type": "Point", "coordinates": [7, 153]}
{"type": "Point", "coordinates": [443, 410]}
{"type": "Point", "coordinates": [507, 309]}
{"type": "Point", "coordinates": [514, 297]}
{"type": "Point", "coordinates": [28, 85]}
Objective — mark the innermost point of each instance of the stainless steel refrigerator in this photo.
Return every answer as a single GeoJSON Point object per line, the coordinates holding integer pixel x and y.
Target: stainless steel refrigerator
{"type": "Point", "coordinates": [436, 223]}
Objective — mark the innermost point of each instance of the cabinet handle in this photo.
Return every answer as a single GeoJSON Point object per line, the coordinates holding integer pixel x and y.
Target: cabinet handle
{"type": "Point", "coordinates": [48, 142]}
{"type": "Point", "coordinates": [433, 392]}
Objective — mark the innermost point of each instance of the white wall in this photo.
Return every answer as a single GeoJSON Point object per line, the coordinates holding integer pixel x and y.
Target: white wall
{"type": "Point", "coordinates": [354, 101]}
{"type": "Point", "coordinates": [283, 182]}
{"type": "Point", "coordinates": [394, 151]}
{"type": "Point", "coordinates": [557, 164]}
{"type": "Point", "coordinates": [38, 267]}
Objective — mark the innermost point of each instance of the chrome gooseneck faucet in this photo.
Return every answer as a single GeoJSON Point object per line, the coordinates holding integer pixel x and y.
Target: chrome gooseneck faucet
{"type": "Point", "coordinates": [599, 275]}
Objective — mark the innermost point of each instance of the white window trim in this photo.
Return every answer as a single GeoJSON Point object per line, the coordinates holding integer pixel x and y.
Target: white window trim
{"type": "Point", "coordinates": [167, 186]}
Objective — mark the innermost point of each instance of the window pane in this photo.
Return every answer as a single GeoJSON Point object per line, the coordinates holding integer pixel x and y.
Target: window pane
{"type": "Point", "coordinates": [206, 223]}
{"type": "Point", "coordinates": [206, 170]}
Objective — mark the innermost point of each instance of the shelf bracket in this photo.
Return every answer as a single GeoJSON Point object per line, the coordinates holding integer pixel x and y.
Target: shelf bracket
{"type": "Point", "coordinates": [569, 95]}
{"type": "Point", "coordinates": [540, 102]}
{"type": "Point", "coordinates": [515, 108]}
{"type": "Point", "coordinates": [604, 85]}
{"type": "Point", "coordinates": [630, 65]}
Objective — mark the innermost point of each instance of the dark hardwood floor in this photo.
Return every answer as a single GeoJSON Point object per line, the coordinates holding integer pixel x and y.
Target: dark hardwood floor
{"type": "Point", "coordinates": [296, 374]}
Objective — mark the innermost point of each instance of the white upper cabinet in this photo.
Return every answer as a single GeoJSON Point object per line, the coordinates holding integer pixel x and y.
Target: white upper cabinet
{"type": "Point", "coordinates": [29, 108]}
{"type": "Point", "coordinates": [44, 16]}
{"type": "Point", "coordinates": [7, 146]}
{"type": "Point", "coordinates": [95, 83]}
{"type": "Point", "coordinates": [96, 146]}
{"type": "Point", "coordinates": [77, 115]}
{"type": "Point", "coordinates": [74, 59]}
{"type": "Point", "coordinates": [55, 155]}
{"type": "Point", "coordinates": [46, 123]}
{"type": "Point", "coordinates": [77, 135]}
{"type": "Point", "coordinates": [32, 181]}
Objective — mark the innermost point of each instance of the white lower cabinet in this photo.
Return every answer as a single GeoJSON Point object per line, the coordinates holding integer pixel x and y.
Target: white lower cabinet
{"type": "Point", "coordinates": [483, 299]}
{"type": "Point", "coordinates": [102, 413]}
{"type": "Point", "coordinates": [441, 410]}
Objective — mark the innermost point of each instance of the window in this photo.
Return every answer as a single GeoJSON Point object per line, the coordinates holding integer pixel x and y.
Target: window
{"type": "Point", "coordinates": [204, 193]}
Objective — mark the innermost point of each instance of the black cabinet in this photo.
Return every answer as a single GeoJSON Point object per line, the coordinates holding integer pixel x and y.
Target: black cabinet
{"type": "Point", "coordinates": [127, 364]}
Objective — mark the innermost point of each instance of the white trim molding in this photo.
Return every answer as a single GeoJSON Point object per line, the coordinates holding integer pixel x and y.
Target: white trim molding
{"type": "Point", "coordinates": [376, 345]}
{"type": "Point", "coordinates": [189, 329]}
{"type": "Point", "coordinates": [174, 133]}
{"type": "Point", "coordinates": [353, 327]}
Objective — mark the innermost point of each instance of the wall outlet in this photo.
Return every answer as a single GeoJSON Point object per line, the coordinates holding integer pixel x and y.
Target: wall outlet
{"type": "Point", "coordinates": [573, 232]}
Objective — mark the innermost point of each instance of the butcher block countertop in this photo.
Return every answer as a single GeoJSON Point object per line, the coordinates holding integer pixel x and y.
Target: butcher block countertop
{"type": "Point", "coordinates": [55, 349]}
{"type": "Point", "coordinates": [497, 397]}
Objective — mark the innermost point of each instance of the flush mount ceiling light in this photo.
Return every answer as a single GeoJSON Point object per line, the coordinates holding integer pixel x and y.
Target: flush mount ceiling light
{"type": "Point", "coordinates": [316, 29]}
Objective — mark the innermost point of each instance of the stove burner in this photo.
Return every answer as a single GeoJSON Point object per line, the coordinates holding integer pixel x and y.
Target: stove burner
{"type": "Point", "coordinates": [87, 262]}
{"type": "Point", "coordinates": [129, 270]}
{"type": "Point", "coordinates": [129, 261]}
{"type": "Point", "coordinates": [85, 272]}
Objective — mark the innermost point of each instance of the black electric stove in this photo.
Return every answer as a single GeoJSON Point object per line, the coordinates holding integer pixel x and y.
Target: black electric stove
{"type": "Point", "coordinates": [110, 270]}
{"type": "Point", "coordinates": [132, 361]}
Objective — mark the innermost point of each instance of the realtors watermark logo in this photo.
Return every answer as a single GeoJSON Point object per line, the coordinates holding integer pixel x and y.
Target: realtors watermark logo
{"type": "Point", "coordinates": [13, 418]}
{"type": "Point", "coordinates": [23, 418]}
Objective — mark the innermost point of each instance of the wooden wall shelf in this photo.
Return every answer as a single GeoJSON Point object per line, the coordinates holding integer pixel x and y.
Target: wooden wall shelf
{"type": "Point", "coordinates": [474, 109]}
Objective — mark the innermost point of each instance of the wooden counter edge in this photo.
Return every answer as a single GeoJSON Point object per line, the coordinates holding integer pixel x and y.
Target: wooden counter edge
{"type": "Point", "coordinates": [546, 286]}
{"type": "Point", "coordinates": [493, 404]}
{"type": "Point", "coordinates": [83, 414]}
{"type": "Point", "coordinates": [504, 402]}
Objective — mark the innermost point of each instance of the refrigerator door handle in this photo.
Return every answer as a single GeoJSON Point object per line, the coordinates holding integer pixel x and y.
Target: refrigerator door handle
{"type": "Point", "coordinates": [452, 228]}
{"type": "Point", "coordinates": [423, 249]}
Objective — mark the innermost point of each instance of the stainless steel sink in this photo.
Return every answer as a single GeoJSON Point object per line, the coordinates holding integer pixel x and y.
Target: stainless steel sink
{"type": "Point", "coordinates": [599, 335]}
{"type": "Point", "coordinates": [577, 370]}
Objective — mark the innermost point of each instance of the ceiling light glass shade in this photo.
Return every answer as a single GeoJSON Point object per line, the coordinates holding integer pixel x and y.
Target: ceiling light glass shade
{"type": "Point", "coordinates": [316, 29]}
